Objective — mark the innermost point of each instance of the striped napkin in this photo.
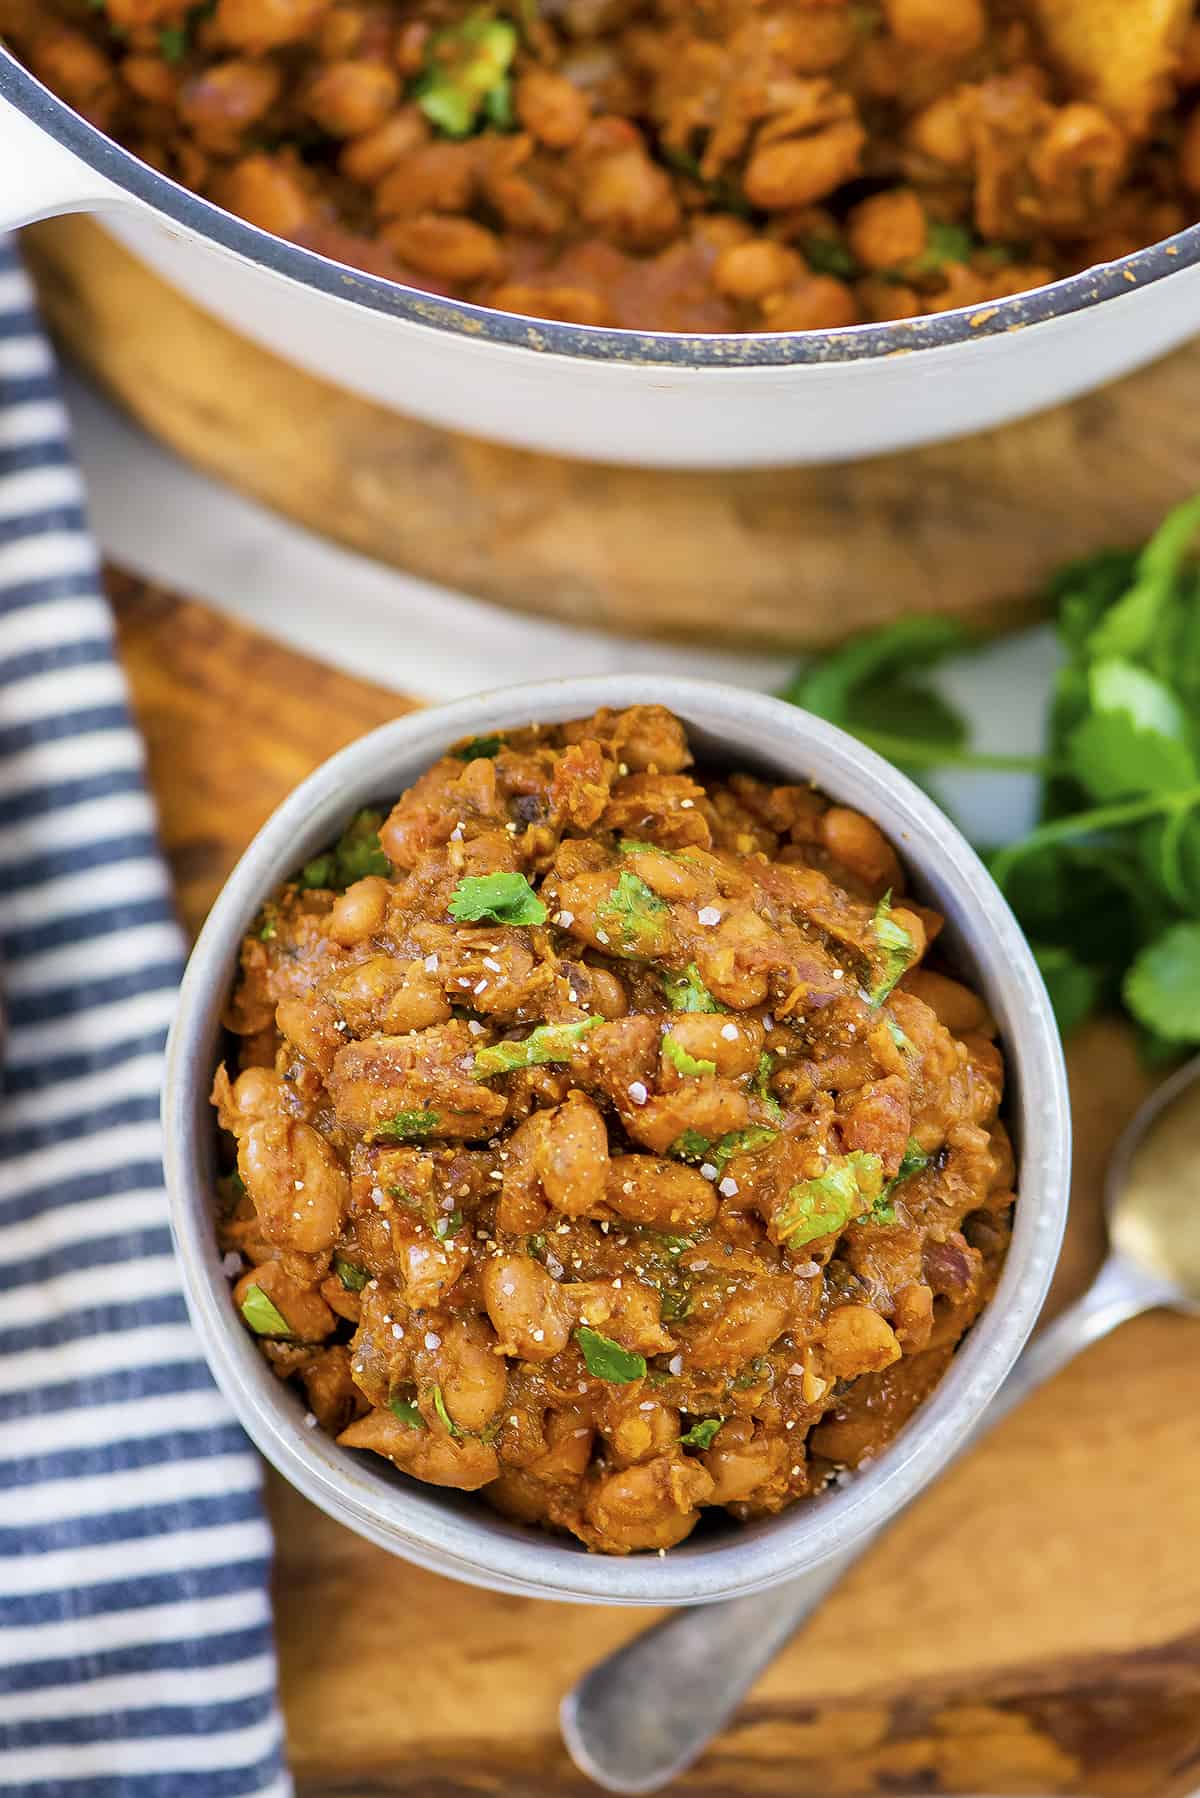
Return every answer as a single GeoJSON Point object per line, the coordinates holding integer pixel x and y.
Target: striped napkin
{"type": "Point", "coordinates": [136, 1655]}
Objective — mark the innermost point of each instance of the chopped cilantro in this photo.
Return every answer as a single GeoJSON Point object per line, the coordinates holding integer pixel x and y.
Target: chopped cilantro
{"type": "Point", "coordinates": [447, 1224]}
{"type": "Point", "coordinates": [897, 949]}
{"type": "Point", "coordinates": [693, 1067]}
{"type": "Point", "coordinates": [439, 1405]}
{"type": "Point", "coordinates": [268, 929]}
{"type": "Point", "coordinates": [406, 1125]}
{"type": "Point", "coordinates": [407, 1412]}
{"type": "Point", "coordinates": [607, 1360]}
{"type": "Point", "coordinates": [687, 992]}
{"type": "Point", "coordinates": [352, 1277]}
{"type": "Point", "coordinates": [479, 749]}
{"type": "Point", "coordinates": [818, 1207]}
{"type": "Point", "coordinates": [504, 898]}
{"type": "Point", "coordinates": [701, 1434]}
{"type": "Point", "coordinates": [173, 42]}
{"type": "Point", "coordinates": [829, 256]}
{"type": "Point", "coordinates": [753, 1374]}
{"type": "Point", "coordinates": [944, 243]}
{"type": "Point", "coordinates": [357, 854]}
{"type": "Point", "coordinates": [549, 1042]}
{"type": "Point", "coordinates": [263, 1316]}
{"type": "Point", "coordinates": [675, 1304]}
{"type": "Point", "coordinates": [466, 76]}
{"type": "Point", "coordinates": [321, 871]}
{"type": "Point", "coordinates": [904, 1043]}
{"type": "Point", "coordinates": [692, 1146]}
{"type": "Point", "coordinates": [762, 1086]}
{"type": "Point", "coordinates": [634, 912]}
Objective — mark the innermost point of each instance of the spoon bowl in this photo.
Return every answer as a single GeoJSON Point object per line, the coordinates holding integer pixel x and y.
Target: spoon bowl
{"type": "Point", "coordinates": [1153, 1189]}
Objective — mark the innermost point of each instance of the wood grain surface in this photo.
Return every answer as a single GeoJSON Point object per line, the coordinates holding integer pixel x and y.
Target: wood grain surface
{"type": "Point", "coordinates": [1031, 1626]}
{"type": "Point", "coordinates": [776, 557]}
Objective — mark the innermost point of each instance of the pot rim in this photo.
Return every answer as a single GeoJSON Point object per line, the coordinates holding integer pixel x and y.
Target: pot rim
{"type": "Point", "coordinates": [712, 354]}
{"type": "Point", "coordinates": [460, 1535]}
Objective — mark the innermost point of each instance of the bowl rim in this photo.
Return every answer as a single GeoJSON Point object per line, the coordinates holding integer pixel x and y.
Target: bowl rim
{"type": "Point", "coordinates": [459, 1536]}
{"type": "Point", "coordinates": [716, 353]}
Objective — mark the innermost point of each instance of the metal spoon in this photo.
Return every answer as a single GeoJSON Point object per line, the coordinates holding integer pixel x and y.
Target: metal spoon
{"type": "Point", "coordinates": [643, 1715]}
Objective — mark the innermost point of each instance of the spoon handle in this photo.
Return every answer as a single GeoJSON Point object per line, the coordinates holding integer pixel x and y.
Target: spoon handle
{"type": "Point", "coordinates": [642, 1715]}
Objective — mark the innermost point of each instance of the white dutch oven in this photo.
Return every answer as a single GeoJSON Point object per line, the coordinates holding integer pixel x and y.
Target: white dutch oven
{"type": "Point", "coordinates": [621, 396]}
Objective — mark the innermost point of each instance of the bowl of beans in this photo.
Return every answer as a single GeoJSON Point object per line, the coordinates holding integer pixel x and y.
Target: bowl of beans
{"type": "Point", "coordinates": [617, 1139]}
{"type": "Point", "coordinates": [777, 195]}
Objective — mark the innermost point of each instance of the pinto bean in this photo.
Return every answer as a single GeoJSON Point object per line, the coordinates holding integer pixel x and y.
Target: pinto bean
{"type": "Point", "coordinates": [456, 249]}
{"type": "Point", "coordinates": [429, 1454]}
{"type": "Point", "coordinates": [352, 96]}
{"type": "Point", "coordinates": [358, 912]}
{"type": "Point", "coordinates": [224, 100]}
{"type": "Point", "coordinates": [649, 1506]}
{"type": "Point", "coordinates": [797, 171]}
{"type": "Point", "coordinates": [952, 1003]}
{"type": "Point", "coordinates": [531, 1317]}
{"type": "Point", "coordinates": [551, 107]}
{"type": "Point", "coordinates": [257, 26]}
{"type": "Point", "coordinates": [268, 192]}
{"type": "Point", "coordinates": [857, 1340]}
{"type": "Point", "coordinates": [940, 27]}
{"type": "Point", "coordinates": [742, 1460]}
{"type": "Point", "coordinates": [661, 1194]}
{"type": "Point", "coordinates": [300, 1190]}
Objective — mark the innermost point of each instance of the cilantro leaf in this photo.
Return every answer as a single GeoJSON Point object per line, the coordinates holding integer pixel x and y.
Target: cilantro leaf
{"type": "Point", "coordinates": [607, 1360]}
{"type": "Point", "coordinates": [357, 854]}
{"type": "Point", "coordinates": [546, 1043]}
{"type": "Point", "coordinates": [352, 1277]}
{"type": "Point", "coordinates": [466, 75]}
{"type": "Point", "coordinates": [1128, 627]}
{"type": "Point", "coordinates": [818, 1207]}
{"type": "Point", "coordinates": [634, 912]}
{"type": "Point", "coordinates": [1135, 738]}
{"type": "Point", "coordinates": [762, 1086]}
{"type": "Point", "coordinates": [944, 243]}
{"type": "Point", "coordinates": [692, 1146]}
{"type": "Point", "coordinates": [896, 950]}
{"type": "Point", "coordinates": [829, 256]}
{"type": "Point", "coordinates": [407, 1125]}
{"type": "Point", "coordinates": [263, 1315]}
{"type": "Point", "coordinates": [407, 1412]}
{"type": "Point", "coordinates": [173, 43]}
{"type": "Point", "coordinates": [701, 1434]}
{"type": "Point", "coordinates": [504, 898]}
{"type": "Point", "coordinates": [687, 992]}
{"type": "Point", "coordinates": [439, 1405]}
{"type": "Point", "coordinates": [1162, 987]}
{"type": "Point", "coordinates": [913, 1161]}
{"type": "Point", "coordinates": [692, 1066]}
{"type": "Point", "coordinates": [479, 749]}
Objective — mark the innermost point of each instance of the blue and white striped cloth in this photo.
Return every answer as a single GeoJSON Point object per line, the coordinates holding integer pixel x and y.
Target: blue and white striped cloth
{"type": "Point", "coordinates": [136, 1653]}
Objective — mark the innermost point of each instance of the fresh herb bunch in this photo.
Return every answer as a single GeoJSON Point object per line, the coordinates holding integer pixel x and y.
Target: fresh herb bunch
{"type": "Point", "coordinates": [1107, 885]}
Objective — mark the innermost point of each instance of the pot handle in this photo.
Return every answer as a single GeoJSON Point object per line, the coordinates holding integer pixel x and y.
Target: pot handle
{"type": "Point", "coordinates": [39, 179]}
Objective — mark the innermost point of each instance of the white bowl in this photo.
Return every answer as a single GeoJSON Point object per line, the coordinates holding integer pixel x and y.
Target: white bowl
{"type": "Point", "coordinates": [457, 1534]}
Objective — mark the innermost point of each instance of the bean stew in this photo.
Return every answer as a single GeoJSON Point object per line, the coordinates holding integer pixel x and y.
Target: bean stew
{"type": "Point", "coordinates": [604, 1136]}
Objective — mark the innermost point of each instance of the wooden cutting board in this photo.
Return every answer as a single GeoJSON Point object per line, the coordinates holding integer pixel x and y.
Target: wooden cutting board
{"type": "Point", "coordinates": [1031, 1626]}
{"type": "Point", "coordinates": [783, 557]}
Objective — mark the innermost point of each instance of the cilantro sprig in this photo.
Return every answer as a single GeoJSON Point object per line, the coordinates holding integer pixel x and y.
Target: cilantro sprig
{"type": "Point", "coordinates": [1107, 883]}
